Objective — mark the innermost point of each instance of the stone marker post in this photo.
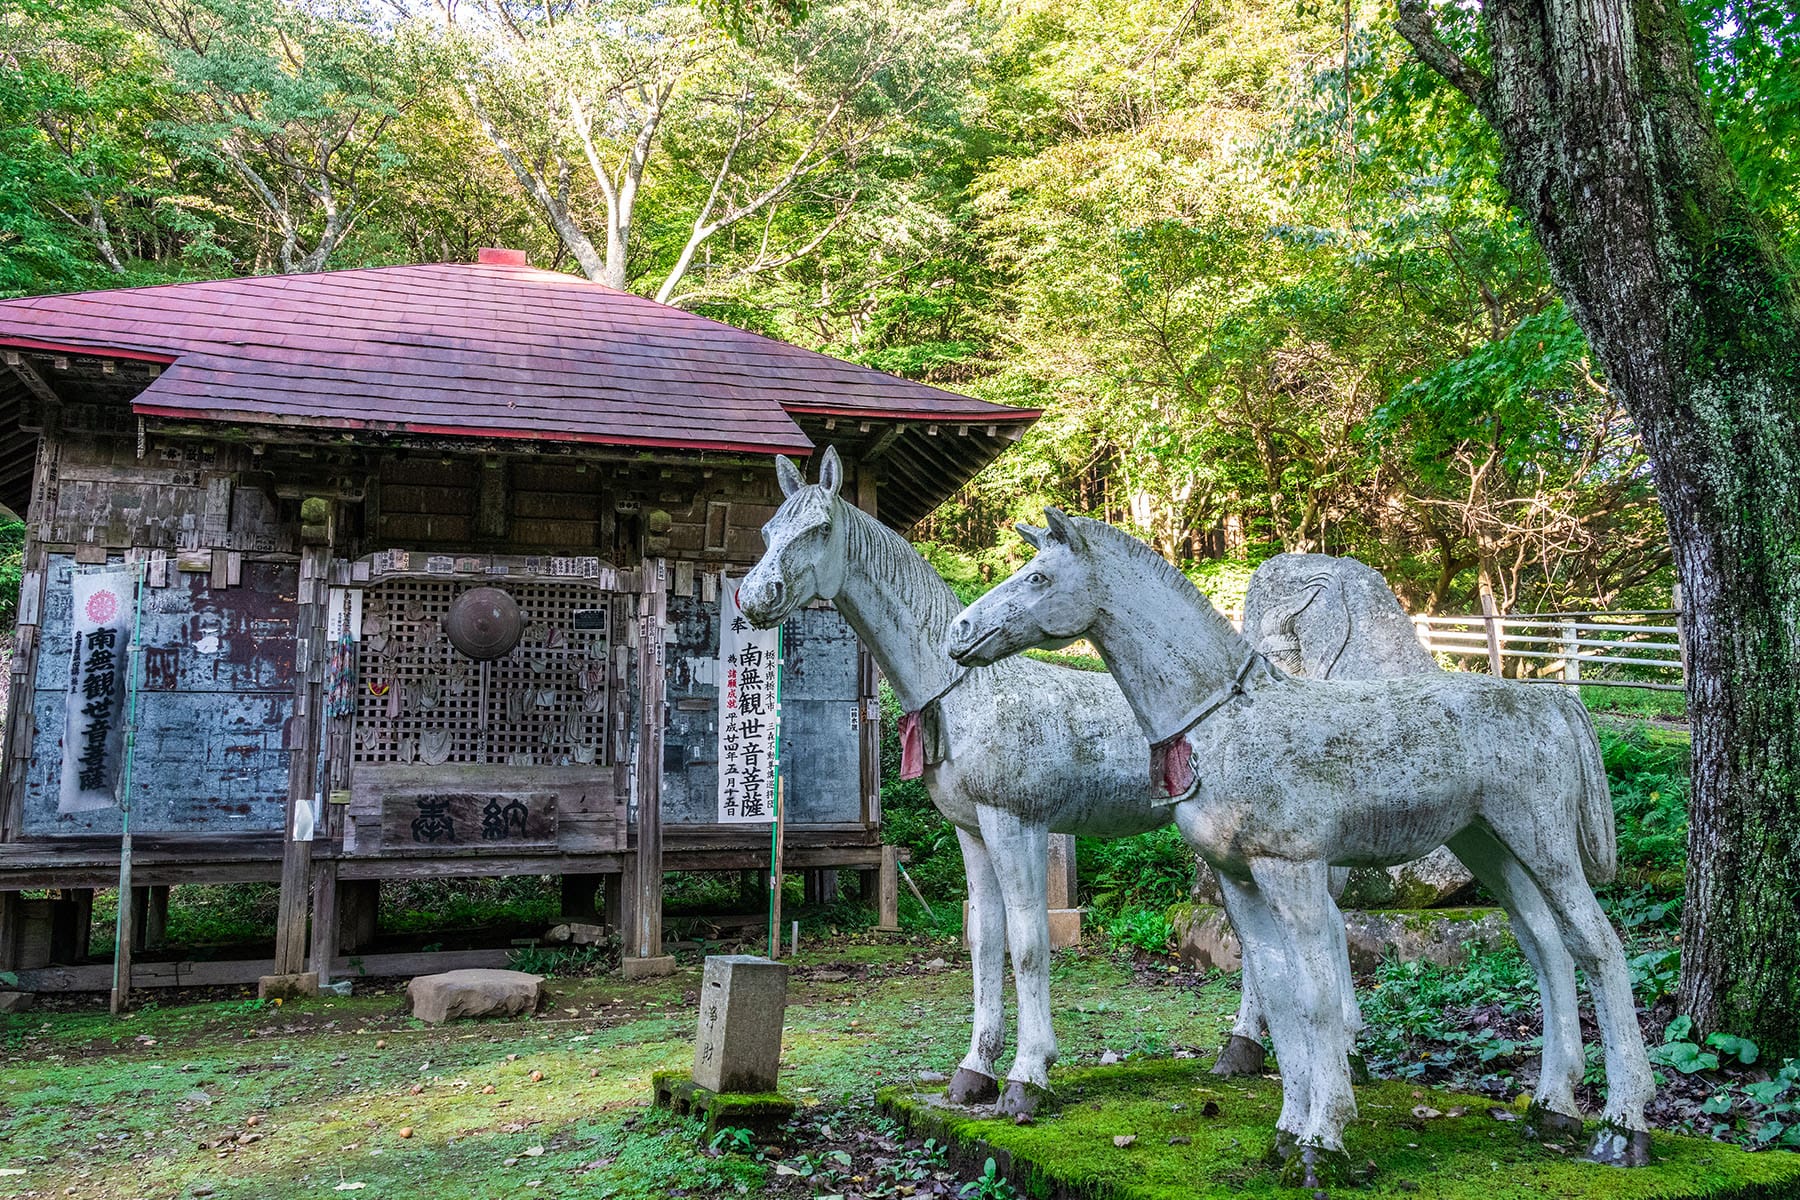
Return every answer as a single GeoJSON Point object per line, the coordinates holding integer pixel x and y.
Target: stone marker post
{"type": "Point", "coordinates": [743, 1000]}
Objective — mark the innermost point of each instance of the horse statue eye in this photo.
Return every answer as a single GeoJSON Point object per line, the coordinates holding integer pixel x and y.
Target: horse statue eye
{"type": "Point", "coordinates": [1039, 578]}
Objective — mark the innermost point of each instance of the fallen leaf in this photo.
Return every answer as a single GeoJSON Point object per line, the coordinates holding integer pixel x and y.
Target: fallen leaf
{"type": "Point", "coordinates": [1124, 1139]}
{"type": "Point", "coordinates": [1425, 1112]}
{"type": "Point", "coordinates": [348, 1187]}
{"type": "Point", "coordinates": [534, 1152]}
{"type": "Point", "coordinates": [784, 1169]}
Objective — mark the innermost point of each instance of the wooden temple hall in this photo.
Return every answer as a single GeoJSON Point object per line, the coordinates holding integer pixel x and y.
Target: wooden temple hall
{"type": "Point", "coordinates": [431, 564]}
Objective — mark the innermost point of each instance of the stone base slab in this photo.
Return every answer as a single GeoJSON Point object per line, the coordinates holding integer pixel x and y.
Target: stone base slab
{"type": "Point", "coordinates": [647, 968]}
{"type": "Point", "coordinates": [287, 987]}
{"type": "Point", "coordinates": [762, 1113]}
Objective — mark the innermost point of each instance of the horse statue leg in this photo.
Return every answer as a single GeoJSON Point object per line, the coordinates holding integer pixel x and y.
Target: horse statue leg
{"type": "Point", "coordinates": [1020, 849]}
{"type": "Point", "coordinates": [1297, 901]}
{"type": "Point", "coordinates": [1265, 961]}
{"type": "Point", "coordinates": [975, 1079]}
{"type": "Point", "coordinates": [1243, 1052]}
{"type": "Point", "coordinates": [1553, 1115]}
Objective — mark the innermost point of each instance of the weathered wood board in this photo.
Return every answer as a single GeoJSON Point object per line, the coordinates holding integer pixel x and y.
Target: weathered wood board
{"type": "Point", "coordinates": [819, 750]}
{"type": "Point", "coordinates": [457, 808]}
{"type": "Point", "coordinates": [213, 711]}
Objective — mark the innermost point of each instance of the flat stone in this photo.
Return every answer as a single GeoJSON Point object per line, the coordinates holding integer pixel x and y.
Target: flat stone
{"type": "Point", "coordinates": [287, 987]}
{"type": "Point", "coordinates": [647, 968]}
{"type": "Point", "coordinates": [13, 1002]}
{"type": "Point", "coordinates": [585, 934]}
{"type": "Point", "coordinates": [474, 993]}
{"type": "Point", "coordinates": [1204, 937]}
{"type": "Point", "coordinates": [743, 1003]}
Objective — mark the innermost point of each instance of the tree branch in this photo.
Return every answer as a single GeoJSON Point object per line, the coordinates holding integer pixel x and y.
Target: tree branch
{"type": "Point", "coordinates": [1415, 24]}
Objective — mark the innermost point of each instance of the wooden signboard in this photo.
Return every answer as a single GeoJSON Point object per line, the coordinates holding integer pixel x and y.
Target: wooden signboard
{"type": "Point", "coordinates": [440, 822]}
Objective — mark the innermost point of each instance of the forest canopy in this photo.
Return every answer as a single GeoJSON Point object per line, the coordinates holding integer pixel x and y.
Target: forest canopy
{"type": "Point", "coordinates": [1250, 258]}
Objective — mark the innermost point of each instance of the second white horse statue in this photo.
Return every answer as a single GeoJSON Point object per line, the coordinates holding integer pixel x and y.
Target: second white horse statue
{"type": "Point", "coordinates": [1286, 777]}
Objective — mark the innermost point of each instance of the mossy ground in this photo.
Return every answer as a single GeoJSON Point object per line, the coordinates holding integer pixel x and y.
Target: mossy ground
{"type": "Point", "coordinates": [150, 1106]}
{"type": "Point", "coordinates": [1072, 1151]}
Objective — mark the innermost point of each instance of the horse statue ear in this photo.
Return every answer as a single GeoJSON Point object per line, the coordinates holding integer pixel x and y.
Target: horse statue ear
{"type": "Point", "coordinates": [1062, 529]}
{"type": "Point", "coordinates": [1034, 537]}
{"type": "Point", "coordinates": [831, 471]}
{"type": "Point", "coordinates": [788, 475]}
{"type": "Point", "coordinates": [1322, 626]}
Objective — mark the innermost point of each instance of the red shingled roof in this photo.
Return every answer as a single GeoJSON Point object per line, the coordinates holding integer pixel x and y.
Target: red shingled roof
{"type": "Point", "coordinates": [492, 349]}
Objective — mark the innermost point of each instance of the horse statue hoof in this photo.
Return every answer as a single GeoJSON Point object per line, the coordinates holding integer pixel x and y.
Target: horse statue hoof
{"type": "Point", "coordinates": [1617, 1147]}
{"type": "Point", "coordinates": [1020, 1099]}
{"type": "Point", "coordinates": [1315, 1167]}
{"type": "Point", "coordinates": [1548, 1125]}
{"type": "Point", "coordinates": [1359, 1070]}
{"type": "Point", "coordinates": [972, 1087]}
{"type": "Point", "coordinates": [1241, 1056]}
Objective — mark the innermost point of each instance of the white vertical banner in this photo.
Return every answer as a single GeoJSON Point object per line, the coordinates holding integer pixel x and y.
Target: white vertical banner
{"type": "Point", "coordinates": [99, 669]}
{"type": "Point", "coordinates": [749, 711]}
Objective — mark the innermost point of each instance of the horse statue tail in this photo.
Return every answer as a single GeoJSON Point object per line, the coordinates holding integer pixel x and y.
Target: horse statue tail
{"type": "Point", "coordinates": [1596, 835]}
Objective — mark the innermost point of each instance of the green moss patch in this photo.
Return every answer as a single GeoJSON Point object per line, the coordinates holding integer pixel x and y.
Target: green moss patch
{"type": "Point", "coordinates": [1179, 1152]}
{"type": "Point", "coordinates": [762, 1113]}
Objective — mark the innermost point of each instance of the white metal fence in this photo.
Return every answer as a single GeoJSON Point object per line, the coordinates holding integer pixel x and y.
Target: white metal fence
{"type": "Point", "coordinates": [1635, 649]}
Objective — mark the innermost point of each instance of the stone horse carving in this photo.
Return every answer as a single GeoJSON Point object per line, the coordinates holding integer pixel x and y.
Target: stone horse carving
{"type": "Point", "coordinates": [1291, 775]}
{"type": "Point", "coordinates": [1014, 751]}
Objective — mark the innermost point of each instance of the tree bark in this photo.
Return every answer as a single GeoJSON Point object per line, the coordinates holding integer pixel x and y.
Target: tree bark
{"type": "Point", "coordinates": [1610, 152]}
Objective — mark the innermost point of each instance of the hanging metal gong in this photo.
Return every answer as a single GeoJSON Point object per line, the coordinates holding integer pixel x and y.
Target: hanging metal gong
{"type": "Point", "coordinates": [484, 623]}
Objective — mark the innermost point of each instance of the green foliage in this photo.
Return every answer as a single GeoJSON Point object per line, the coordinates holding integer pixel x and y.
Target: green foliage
{"type": "Point", "coordinates": [1648, 775]}
{"type": "Point", "coordinates": [1411, 1009]}
{"type": "Point", "coordinates": [991, 1186]}
{"type": "Point", "coordinates": [1138, 876]}
{"type": "Point", "coordinates": [562, 962]}
{"type": "Point", "coordinates": [12, 561]}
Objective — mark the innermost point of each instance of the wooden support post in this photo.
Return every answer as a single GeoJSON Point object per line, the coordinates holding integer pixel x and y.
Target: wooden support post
{"type": "Point", "coordinates": [81, 922]}
{"type": "Point", "coordinates": [324, 944]}
{"type": "Point", "coordinates": [888, 914]}
{"type": "Point", "coordinates": [1065, 915]}
{"type": "Point", "coordinates": [753, 889]}
{"type": "Point", "coordinates": [868, 886]}
{"type": "Point", "coordinates": [821, 885]}
{"type": "Point", "coordinates": [1571, 658]}
{"type": "Point", "coordinates": [10, 905]}
{"type": "Point", "coordinates": [642, 952]}
{"type": "Point", "coordinates": [149, 916]}
{"type": "Point", "coordinates": [612, 900]}
{"type": "Point", "coordinates": [303, 747]}
{"type": "Point", "coordinates": [577, 902]}
{"type": "Point", "coordinates": [359, 913]}
{"type": "Point", "coordinates": [1490, 619]}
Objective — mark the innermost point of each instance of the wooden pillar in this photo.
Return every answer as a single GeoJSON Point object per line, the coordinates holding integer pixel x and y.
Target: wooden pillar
{"type": "Point", "coordinates": [1065, 915]}
{"type": "Point", "coordinates": [642, 952]}
{"type": "Point", "coordinates": [20, 721]}
{"type": "Point", "coordinates": [323, 947]}
{"type": "Point", "coordinates": [149, 917]}
{"type": "Point", "coordinates": [821, 885]}
{"type": "Point", "coordinates": [359, 913]}
{"type": "Point", "coordinates": [753, 890]}
{"type": "Point", "coordinates": [612, 900]}
{"type": "Point", "coordinates": [303, 748]}
{"type": "Point", "coordinates": [9, 931]}
{"type": "Point", "coordinates": [888, 914]}
{"type": "Point", "coordinates": [578, 898]}
{"type": "Point", "coordinates": [80, 922]}
{"type": "Point", "coordinates": [1489, 619]}
{"type": "Point", "coordinates": [868, 885]}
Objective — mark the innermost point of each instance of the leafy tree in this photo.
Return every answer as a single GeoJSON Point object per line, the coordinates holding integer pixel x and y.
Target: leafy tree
{"type": "Point", "coordinates": [1673, 270]}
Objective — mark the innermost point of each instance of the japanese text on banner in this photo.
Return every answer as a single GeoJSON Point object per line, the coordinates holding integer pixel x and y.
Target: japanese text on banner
{"type": "Point", "coordinates": [99, 666]}
{"type": "Point", "coordinates": [748, 714]}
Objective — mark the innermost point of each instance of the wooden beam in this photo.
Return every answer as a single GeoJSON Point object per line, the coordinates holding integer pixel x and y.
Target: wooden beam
{"type": "Point", "coordinates": [96, 977]}
{"type": "Point", "coordinates": [27, 375]}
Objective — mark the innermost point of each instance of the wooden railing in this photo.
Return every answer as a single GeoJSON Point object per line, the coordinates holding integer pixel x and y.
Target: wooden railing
{"type": "Point", "coordinates": [1636, 649]}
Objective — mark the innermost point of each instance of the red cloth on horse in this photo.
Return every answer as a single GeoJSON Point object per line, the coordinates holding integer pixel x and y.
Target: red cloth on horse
{"type": "Point", "coordinates": [912, 746]}
{"type": "Point", "coordinates": [1171, 767]}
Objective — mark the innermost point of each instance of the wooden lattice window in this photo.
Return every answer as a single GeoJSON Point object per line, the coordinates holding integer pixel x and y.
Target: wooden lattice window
{"type": "Point", "coordinates": [545, 704]}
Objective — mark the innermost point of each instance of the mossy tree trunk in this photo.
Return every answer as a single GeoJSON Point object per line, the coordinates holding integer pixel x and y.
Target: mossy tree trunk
{"type": "Point", "coordinates": [1612, 156]}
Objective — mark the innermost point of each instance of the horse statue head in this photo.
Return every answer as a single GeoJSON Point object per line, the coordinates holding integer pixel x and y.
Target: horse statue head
{"type": "Point", "coordinates": [1049, 603]}
{"type": "Point", "coordinates": [804, 559]}
{"type": "Point", "coordinates": [1330, 618]}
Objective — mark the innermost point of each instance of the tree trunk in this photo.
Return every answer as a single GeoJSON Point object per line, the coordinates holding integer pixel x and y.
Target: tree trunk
{"type": "Point", "coordinates": [1611, 154]}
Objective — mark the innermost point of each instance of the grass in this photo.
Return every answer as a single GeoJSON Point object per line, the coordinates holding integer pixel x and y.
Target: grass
{"type": "Point", "coordinates": [1194, 1137]}
{"type": "Point", "coordinates": [155, 1105]}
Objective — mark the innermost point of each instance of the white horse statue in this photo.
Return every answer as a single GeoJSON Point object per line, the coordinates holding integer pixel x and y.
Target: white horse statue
{"type": "Point", "coordinates": [1287, 776]}
{"type": "Point", "coordinates": [1013, 752]}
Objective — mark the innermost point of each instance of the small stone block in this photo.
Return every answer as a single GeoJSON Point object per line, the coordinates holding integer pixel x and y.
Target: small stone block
{"type": "Point", "coordinates": [743, 1002]}
{"type": "Point", "coordinates": [12, 1002]}
{"type": "Point", "coordinates": [1065, 928]}
{"type": "Point", "coordinates": [287, 987]}
{"type": "Point", "coordinates": [474, 993]}
{"type": "Point", "coordinates": [647, 968]}
{"type": "Point", "coordinates": [581, 934]}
